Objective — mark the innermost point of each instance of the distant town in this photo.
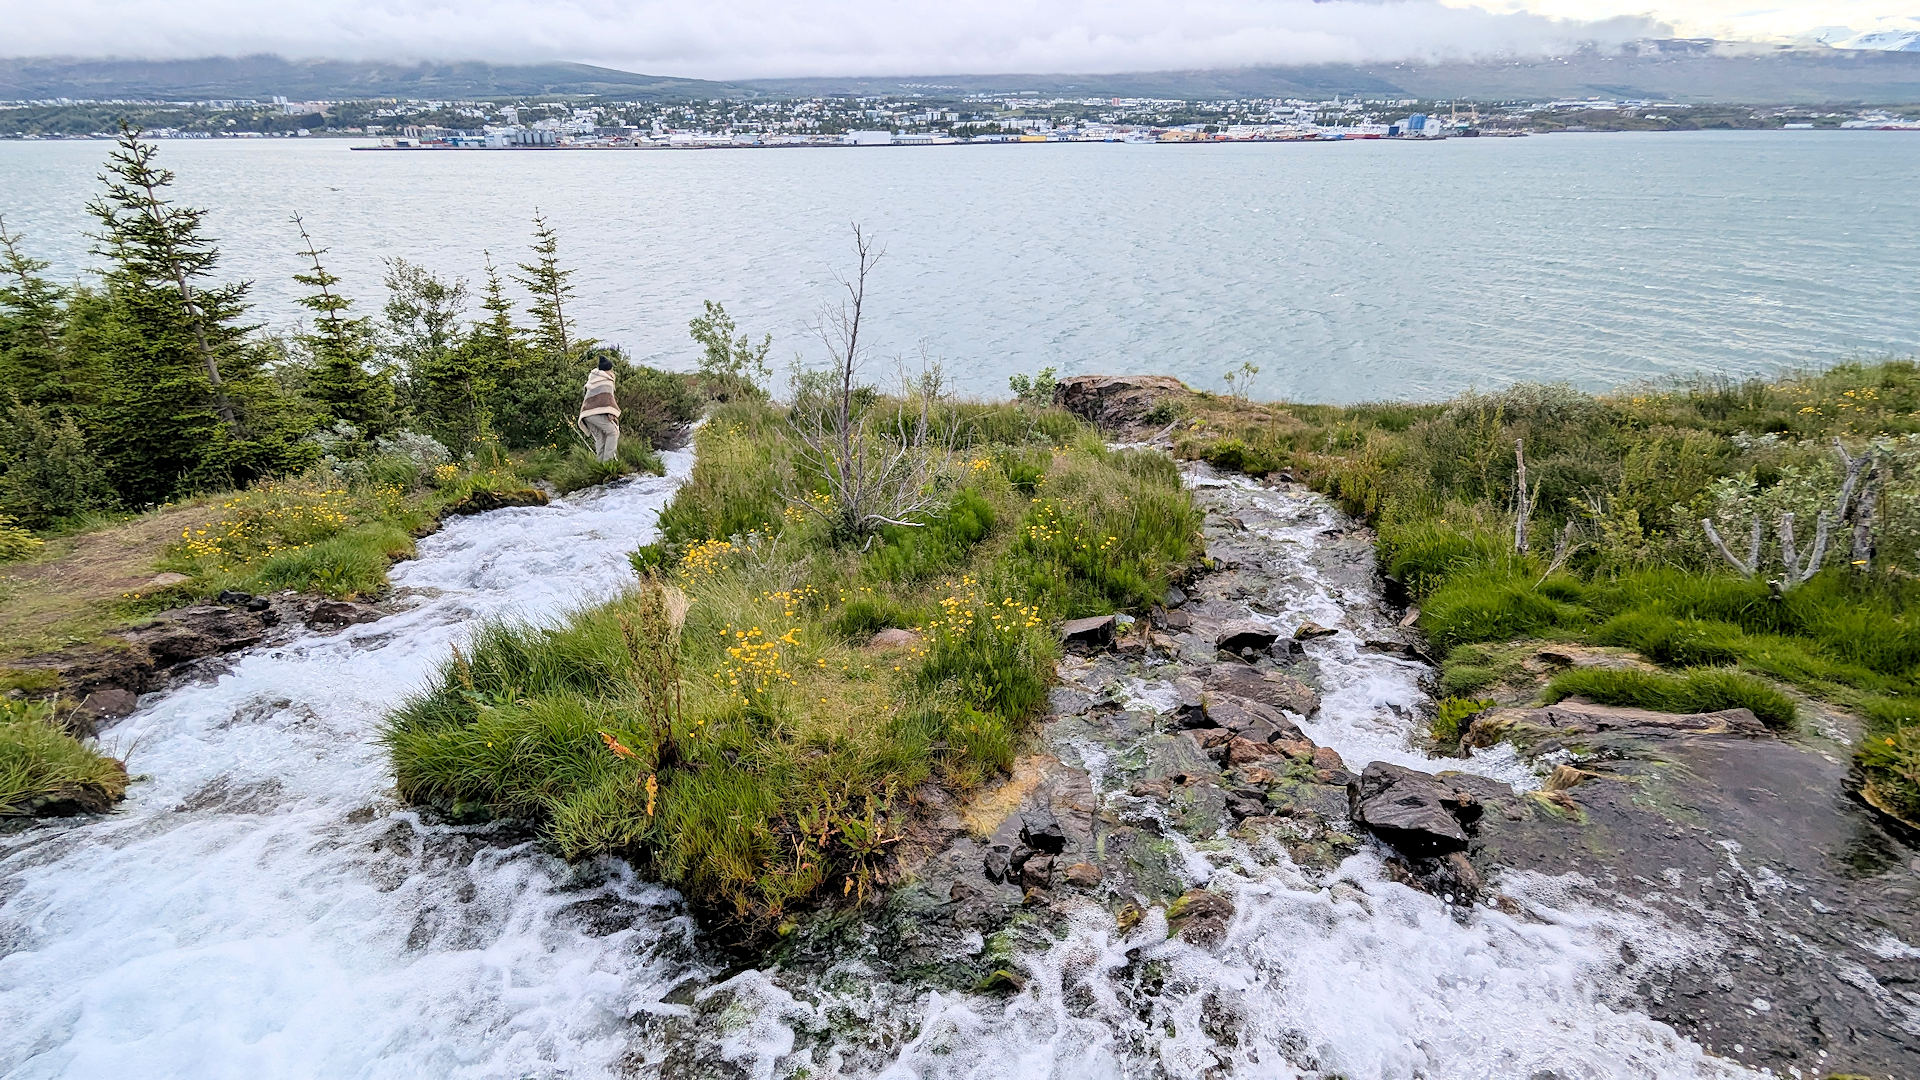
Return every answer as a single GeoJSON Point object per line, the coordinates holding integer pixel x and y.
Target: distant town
{"type": "Point", "coordinates": [573, 123]}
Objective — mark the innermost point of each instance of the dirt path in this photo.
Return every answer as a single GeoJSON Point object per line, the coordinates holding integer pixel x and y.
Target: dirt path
{"type": "Point", "coordinates": [75, 594]}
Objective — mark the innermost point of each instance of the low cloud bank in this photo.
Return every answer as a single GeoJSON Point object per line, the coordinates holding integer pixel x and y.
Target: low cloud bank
{"type": "Point", "coordinates": [739, 39]}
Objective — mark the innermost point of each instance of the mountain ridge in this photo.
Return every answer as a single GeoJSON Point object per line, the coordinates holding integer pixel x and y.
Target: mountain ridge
{"type": "Point", "coordinates": [1680, 71]}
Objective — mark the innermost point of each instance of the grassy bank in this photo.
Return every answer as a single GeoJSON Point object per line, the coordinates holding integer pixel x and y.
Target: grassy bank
{"type": "Point", "coordinates": [1614, 554]}
{"type": "Point", "coordinates": [732, 723]}
{"type": "Point", "coordinates": [333, 531]}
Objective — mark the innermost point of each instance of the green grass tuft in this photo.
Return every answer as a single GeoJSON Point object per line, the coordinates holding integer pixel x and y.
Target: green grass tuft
{"type": "Point", "coordinates": [1692, 691]}
{"type": "Point", "coordinates": [45, 770]}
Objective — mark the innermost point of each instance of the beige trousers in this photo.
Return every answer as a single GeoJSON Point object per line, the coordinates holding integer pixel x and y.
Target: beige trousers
{"type": "Point", "coordinates": [604, 430]}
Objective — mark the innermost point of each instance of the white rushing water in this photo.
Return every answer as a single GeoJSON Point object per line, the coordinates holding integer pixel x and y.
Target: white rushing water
{"type": "Point", "coordinates": [262, 907]}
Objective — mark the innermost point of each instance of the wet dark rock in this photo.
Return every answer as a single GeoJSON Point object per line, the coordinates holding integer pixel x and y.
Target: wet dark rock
{"type": "Point", "coordinates": [1066, 701]}
{"type": "Point", "coordinates": [339, 614]}
{"type": "Point", "coordinates": [81, 672]}
{"type": "Point", "coordinates": [111, 703]}
{"type": "Point", "coordinates": [1244, 634]}
{"type": "Point", "coordinates": [1037, 872]}
{"type": "Point", "coordinates": [1040, 830]}
{"type": "Point", "coordinates": [234, 598]}
{"type": "Point", "coordinates": [1270, 688]}
{"type": "Point", "coordinates": [1200, 916]}
{"type": "Point", "coordinates": [1309, 630]}
{"type": "Point", "coordinates": [1189, 704]}
{"type": "Point", "coordinates": [183, 634]}
{"type": "Point", "coordinates": [1402, 649]}
{"type": "Point", "coordinates": [1094, 632]}
{"type": "Point", "coordinates": [483, 501]}
{"type": "Point", "coordinates": [1117, 402]}
{"type": "Point", "coordinates": [1418, 813]}
{"type": "Point", "coordinates": [1083, 875]}
{"type": "Point", "coordinates": [1249, 719]}
{"type": "Point", "coordinates": [1753, 844]}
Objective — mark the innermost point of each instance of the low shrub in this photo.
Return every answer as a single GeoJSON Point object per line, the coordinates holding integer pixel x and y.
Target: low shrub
{"type": "Point", "coordinates": [17, 543]}
{"type": "Point", "coordinates": [1451, 715]}
{"type": "Point", "coordinates": [1691, 691]}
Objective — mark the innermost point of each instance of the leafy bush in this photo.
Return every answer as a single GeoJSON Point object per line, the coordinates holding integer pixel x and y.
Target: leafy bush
{"type": "Point", "coordinates": [655, 406]}
{"type": "Point", "coordinates": [1691, 691]}
{"type": "Point", "coordinates": [1036, 390]}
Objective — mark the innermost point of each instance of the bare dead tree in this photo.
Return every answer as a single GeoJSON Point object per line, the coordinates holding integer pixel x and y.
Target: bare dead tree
{"type": "Point", "coordinates": [1523, 500]}
{"type": "Point", "coordinates": [1864, 510]}
{"type": "Point", "coordinates": [1846, 507]}
{"type": "Point", "coordinates": [880, 466]}
{"type": "Point", "coordinates": [1751, 564]}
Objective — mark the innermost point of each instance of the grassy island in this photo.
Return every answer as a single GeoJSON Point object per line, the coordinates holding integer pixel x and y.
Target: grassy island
{"type": "Point", "coordinates": [756, 718]}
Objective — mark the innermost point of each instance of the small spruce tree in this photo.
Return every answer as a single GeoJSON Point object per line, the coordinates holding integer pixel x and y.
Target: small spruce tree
{"type": "Point", "coordinates": [547, 281]}
{"type": "Point", "coordinates": [183, 404]}
{"type": "Point", "coordinates": [32, 321]}
{"type": "Point", "coordinates": [344, 380]}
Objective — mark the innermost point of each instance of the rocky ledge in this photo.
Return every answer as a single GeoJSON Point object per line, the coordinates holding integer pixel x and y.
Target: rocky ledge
{"type": "Point", "coordinates": [105, 681]}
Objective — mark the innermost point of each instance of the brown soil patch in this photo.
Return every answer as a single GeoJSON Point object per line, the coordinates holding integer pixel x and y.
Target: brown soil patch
{"type": "Point", "coordinates": [77, 591]}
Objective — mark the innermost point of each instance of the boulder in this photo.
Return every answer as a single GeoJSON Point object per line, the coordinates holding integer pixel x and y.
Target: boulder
{"type": "Point", "coordinates": [110, 703]}
{"type": "Point", "coordinates": [1241, 751]}
{"type": "Point", "coordinates": [1117, 401]}
{"type": "Point", "coordinates": [1040, 830]}
{"type": "Point", "coordinates": [1084, 875]}
{"type": "Point", "coordinates": [1269, 688]}
{"type": "Point", "coordinates": [1094, 632]}
{"type": "Point", "coordinates": [1249, 719]}
{"type": "Point", "coordinates": [1200, 916]}
{"type": "Point", "coordinates": [1574, 717]}
{"type": "Point", "coordinates": [1419, 814]}
{"type": "Point", "coordinates": [1309, 630]}
{"type": "Point", "coordinates": [1235, 636]}
{"type": "Point", "coordinates": [329, 615]}
{"type": "Point", "coordinates": [161, 582]}
{"type": "Point", "coordinates": [893, 638]}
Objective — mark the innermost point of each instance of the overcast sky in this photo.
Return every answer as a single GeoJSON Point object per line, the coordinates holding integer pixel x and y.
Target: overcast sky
{"type": "Point", "coordinates": [758, 38]}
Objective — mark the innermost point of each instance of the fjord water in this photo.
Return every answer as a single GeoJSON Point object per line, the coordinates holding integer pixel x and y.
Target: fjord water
{"type": "Point", "coordinates": [263, 906]}
{"type": "Point", "coordinates": [1345, 271]}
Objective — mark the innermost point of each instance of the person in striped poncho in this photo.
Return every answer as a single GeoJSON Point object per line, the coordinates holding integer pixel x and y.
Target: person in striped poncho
{"type": "Point", "coordinates": [600, 410]}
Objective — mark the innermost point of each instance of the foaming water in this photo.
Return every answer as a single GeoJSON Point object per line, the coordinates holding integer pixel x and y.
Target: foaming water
{"type": "Point", "coordinates": [262, 907]}
{"type": "Point", "coordinates": [1355, 977]}
{"type": "Point", "coordinates": [1371, 702]}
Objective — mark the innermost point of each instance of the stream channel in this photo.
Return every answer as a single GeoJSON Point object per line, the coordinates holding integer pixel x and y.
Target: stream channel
{"type": "Point", "coordinates": [263, 906]}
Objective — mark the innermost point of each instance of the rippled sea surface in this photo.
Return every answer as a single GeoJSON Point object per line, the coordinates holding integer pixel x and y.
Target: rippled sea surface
{"type": "Point", "coordinates": [1344, 271]}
